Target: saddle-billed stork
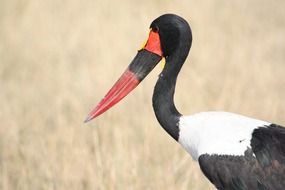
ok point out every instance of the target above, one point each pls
(234, 152)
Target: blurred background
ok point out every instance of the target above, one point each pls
(59, 58)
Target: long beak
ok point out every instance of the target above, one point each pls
(141, 66)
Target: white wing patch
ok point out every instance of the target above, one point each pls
(219, 133)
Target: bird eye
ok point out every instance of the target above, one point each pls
(155, 29)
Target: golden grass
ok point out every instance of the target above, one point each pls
(58, 58)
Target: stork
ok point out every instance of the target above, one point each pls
(234, 152)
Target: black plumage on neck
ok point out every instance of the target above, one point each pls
(176, 42)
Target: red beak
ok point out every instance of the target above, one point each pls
(121, 88)
(143, 63)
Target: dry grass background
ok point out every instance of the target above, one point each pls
(58, 58)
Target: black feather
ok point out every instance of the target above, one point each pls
(262, 167)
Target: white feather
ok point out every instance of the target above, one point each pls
(219, 133)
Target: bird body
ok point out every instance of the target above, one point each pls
(234, 152)
(220, 133)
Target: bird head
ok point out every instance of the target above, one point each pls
(167, 35)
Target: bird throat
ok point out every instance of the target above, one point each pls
(163, 103)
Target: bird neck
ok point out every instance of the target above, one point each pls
(162, 100)
(163, 104)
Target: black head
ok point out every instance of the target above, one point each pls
(174, 32)
(170, 37)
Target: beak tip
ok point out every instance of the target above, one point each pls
(95, 113)
(89, 118)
